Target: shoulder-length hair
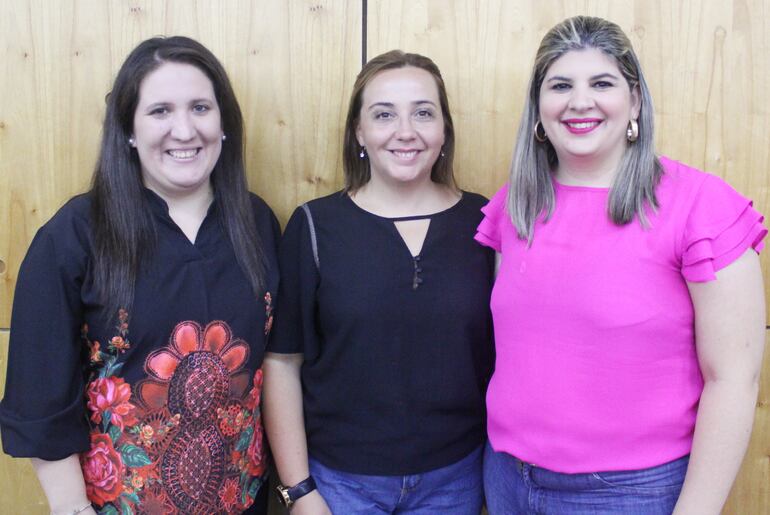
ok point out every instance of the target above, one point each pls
(531, 193)
(124, 231)
(357, 172)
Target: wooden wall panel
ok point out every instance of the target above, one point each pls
(292, 65)
(751, 492)
(21, 492)
(706, 64)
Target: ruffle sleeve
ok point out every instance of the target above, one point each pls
(488, 232)
(721, 226)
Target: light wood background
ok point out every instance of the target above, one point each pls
(293, 63)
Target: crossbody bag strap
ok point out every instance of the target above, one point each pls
(313, 240)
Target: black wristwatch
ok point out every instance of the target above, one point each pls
(288, 496)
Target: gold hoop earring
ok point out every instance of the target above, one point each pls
(538, 137)
(632, 133)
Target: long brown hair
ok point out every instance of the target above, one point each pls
(124, 232)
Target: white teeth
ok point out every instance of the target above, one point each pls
(405, 155)
(182, 154)
(583, 125)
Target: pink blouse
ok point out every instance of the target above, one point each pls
(596, 368)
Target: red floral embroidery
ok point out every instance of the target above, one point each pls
(102, 470)
(189, 439)
(111, 395)
(229, 493)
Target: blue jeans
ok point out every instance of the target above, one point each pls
(516, 488)
(456, 489)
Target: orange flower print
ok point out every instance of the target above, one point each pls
(111, 394)
(119, 344)
(95, 353)
(228, 494)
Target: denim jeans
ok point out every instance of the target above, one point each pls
(456, 489)
(516, 488)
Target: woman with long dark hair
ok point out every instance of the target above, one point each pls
(142, 307)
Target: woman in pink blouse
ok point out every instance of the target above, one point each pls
(628, 308)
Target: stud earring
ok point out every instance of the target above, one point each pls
(443, 154)
(362, 154)
(224, 137)
(632, 133)
(132, 141)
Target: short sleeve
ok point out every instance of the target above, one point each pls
(721, 226)
(495, 214)
(43, 413)
(294, 326)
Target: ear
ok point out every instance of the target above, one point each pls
(636, 103)
(359, 134)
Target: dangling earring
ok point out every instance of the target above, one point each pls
(224, 137)
(539, 129)
(132, 141)
(362, 154)
(632, 133)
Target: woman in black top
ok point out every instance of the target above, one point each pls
(375, 376)
(142, 307)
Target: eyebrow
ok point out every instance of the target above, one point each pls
(390, 105)
(595, 77)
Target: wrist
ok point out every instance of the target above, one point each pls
(288, 495)
(72, 509)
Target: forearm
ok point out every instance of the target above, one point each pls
(63, 484)
(283, 417)
(722, 432)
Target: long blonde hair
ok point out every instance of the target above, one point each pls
(531, 193)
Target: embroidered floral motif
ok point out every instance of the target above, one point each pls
(102, 470)
(189, 439)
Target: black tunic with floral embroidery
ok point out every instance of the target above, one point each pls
(162, 401)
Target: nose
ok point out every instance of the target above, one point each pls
(405, 129)
(183, 127)
(581, 99)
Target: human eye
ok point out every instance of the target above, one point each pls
(383, 115)
(424, 114)
(200, 108)
(603, 84)
(561, 86)
(159, 111)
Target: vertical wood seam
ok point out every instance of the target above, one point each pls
(364, 22)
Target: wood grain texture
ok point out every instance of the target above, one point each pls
(751, 492)
(705, 61)
(291, 64)
(706, 64)
(21, 492)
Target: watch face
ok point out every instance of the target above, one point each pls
(283, 496)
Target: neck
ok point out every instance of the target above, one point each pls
(189, 209)
(587, 171)
(396, 199)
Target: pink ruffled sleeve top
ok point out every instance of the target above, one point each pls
(596, 368)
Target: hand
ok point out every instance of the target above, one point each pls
(310, 504)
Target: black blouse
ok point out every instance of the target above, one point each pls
(397, 349)
(162, 399)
